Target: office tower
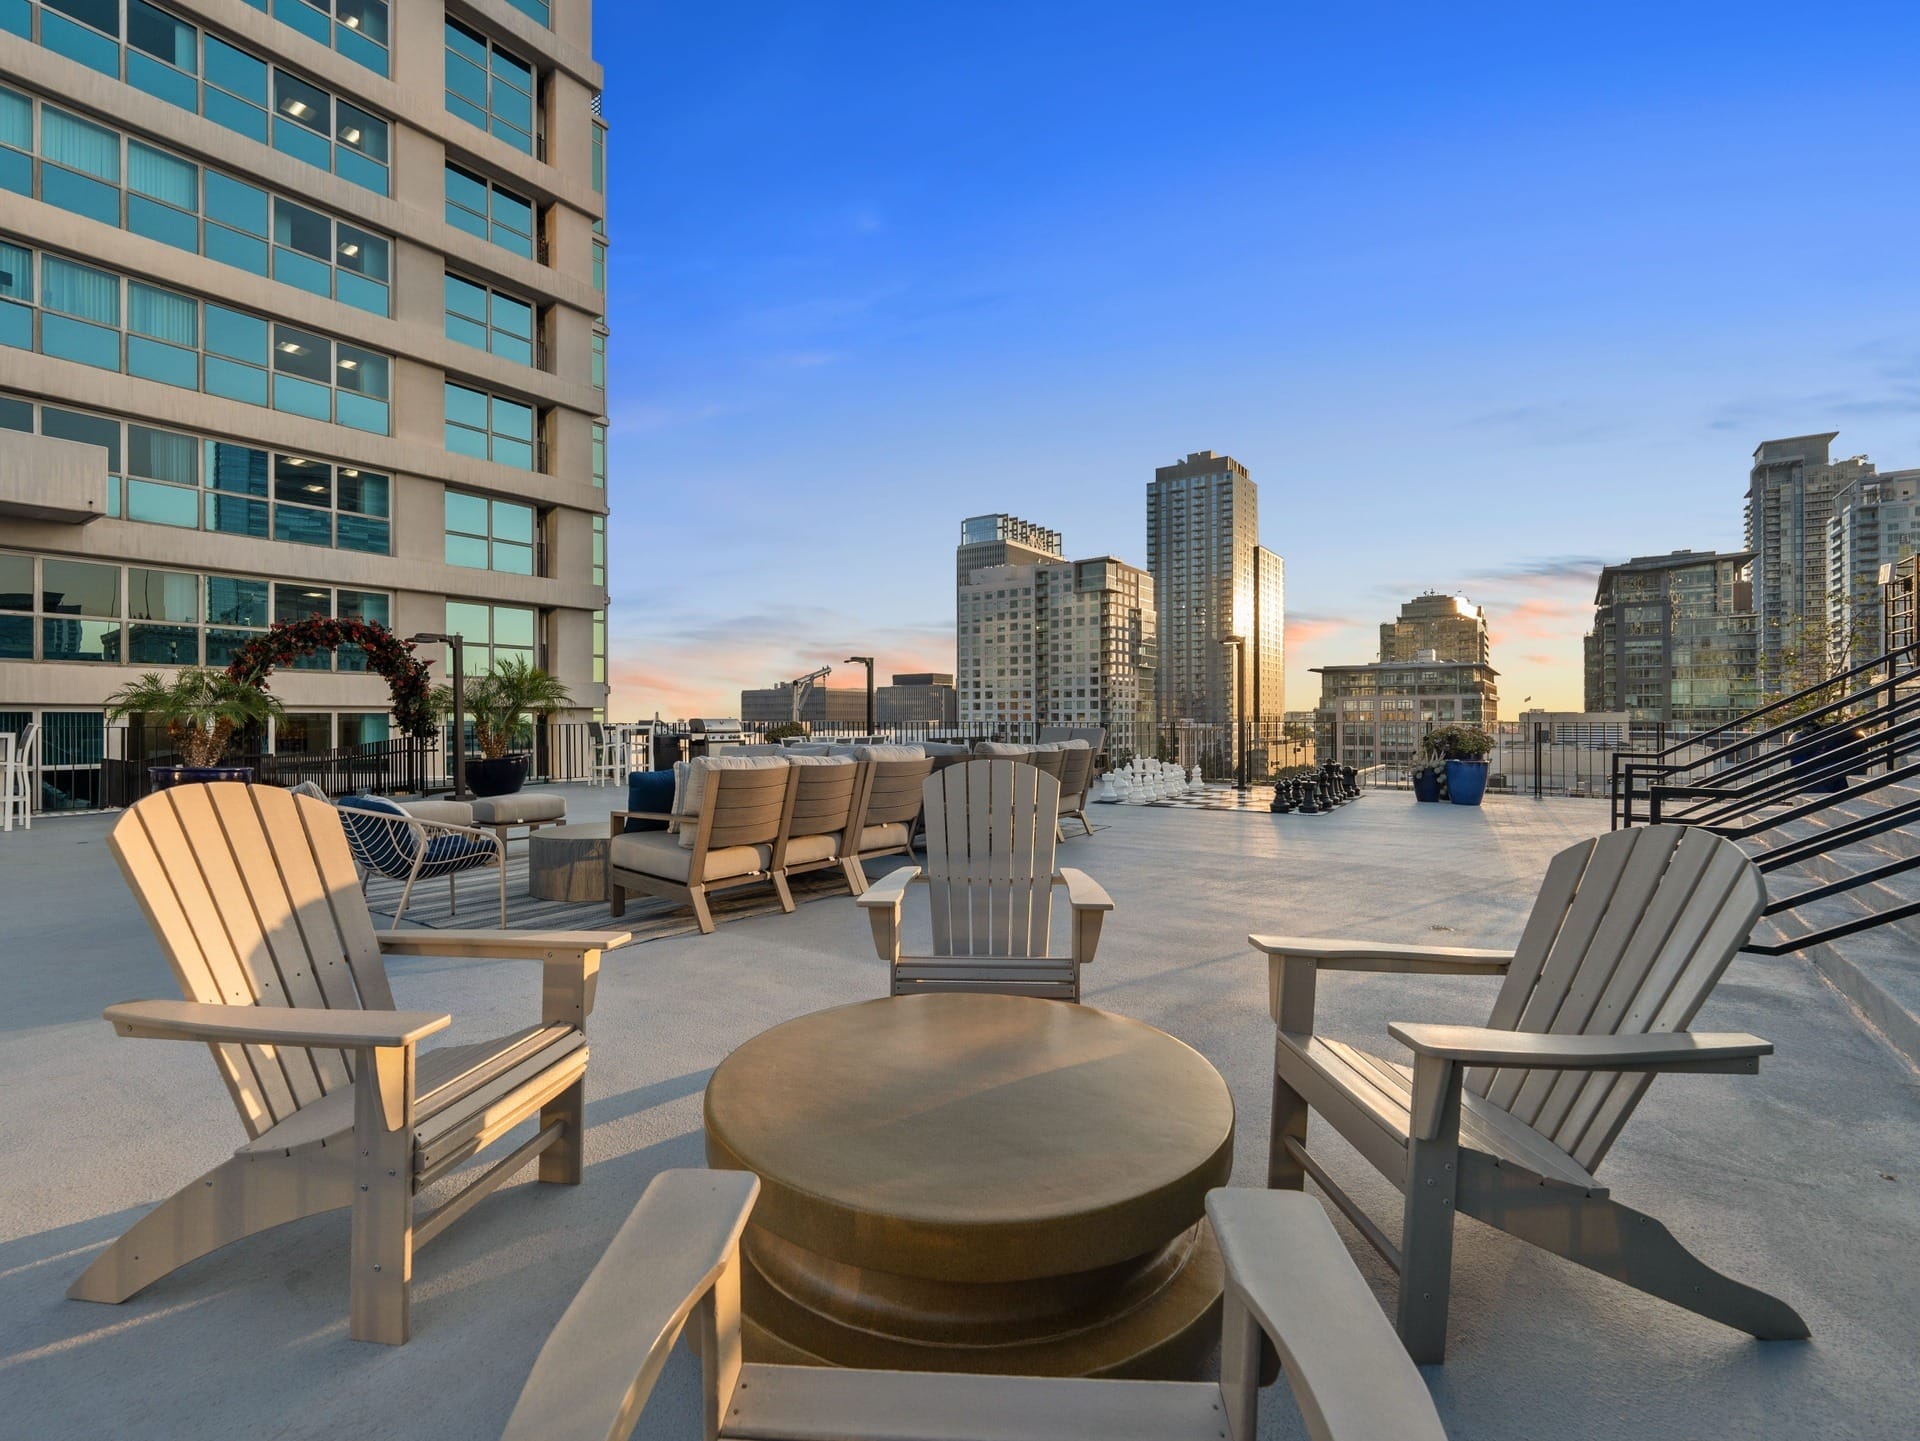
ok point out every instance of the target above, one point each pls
(303, 307)
(1875, 520)
(1056, 642)
(922, 698)
(1790, 498)
(820, 705)
(1675, 642)
(1214, 580)
(1451, 626)
(1375, 714)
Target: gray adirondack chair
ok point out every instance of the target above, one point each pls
(989, 875)
(676, 1263)
(1507, 1122)
(253, 896)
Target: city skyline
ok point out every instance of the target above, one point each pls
(1482, 338)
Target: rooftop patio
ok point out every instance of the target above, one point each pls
(252, 1340)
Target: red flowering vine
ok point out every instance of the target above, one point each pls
(387, 655)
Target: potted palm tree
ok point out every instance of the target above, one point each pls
(200, 708)
(1464, 750)
(500, 703)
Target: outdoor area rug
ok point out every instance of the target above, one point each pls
(650, 918)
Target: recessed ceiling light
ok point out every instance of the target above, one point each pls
(349, 250)
(295, 108)
(349, 365)
(352, 22)
(345, 472)
(291, 349)
(350, 135)
(296, 460)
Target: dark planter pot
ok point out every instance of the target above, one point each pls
(1426, 784)
(498, 778)
(1811, 748)
(1466, 782)
(165, 778)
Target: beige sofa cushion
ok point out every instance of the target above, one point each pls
(655, 853)
(887, 833)
(802, 849)
(518, 809)
(449, 813)
(889, 753)
(813, 760)
(1001, 748)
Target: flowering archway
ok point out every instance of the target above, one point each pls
(387, 655)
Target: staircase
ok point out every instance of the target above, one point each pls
(1833, 822)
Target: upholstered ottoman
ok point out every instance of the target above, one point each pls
(500, 814)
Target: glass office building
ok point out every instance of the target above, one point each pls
(301, 313)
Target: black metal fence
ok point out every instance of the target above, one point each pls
(401, 764)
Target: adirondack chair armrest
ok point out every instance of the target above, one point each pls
(1289, 1275)
(882, 901)
(1337, 955)
(673, 1261)
(1293, 962)
(570, 960)
(273, 1025)
(1084, 893)
(1732, 1052)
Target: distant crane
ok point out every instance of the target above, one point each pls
(802, 688)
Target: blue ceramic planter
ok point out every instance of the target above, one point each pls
(1426, 784)
(1466, 782)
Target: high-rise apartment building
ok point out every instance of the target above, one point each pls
(1675, 642)
(1790, 499)
(1875, 520)
(1057, 642)
(301, 313)
(1002, 540)
(1451, 626)
(1213, 580)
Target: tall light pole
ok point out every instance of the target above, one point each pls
(459, 704)
(867, 661)
(1239, 644)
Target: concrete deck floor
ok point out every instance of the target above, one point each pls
(1801, 1180)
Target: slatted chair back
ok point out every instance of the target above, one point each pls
(989, 868)
(1048, 762)
(1629, 934)
(1076, 769)
(892, 795)
(820, 800)
(252, 894)
(743, 808)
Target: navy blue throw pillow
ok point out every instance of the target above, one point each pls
(649, 791)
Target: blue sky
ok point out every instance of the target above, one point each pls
(1485, 296)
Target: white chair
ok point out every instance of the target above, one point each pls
(19, 759)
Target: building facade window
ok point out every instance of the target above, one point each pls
(56, 609)
(599, 571)
(161, 54)
(599, 359)
(598, 161)
(489, 427)
(600, 266)
(356, 28)
(490, 87)
(489, 320)
(167, 477)
(599, 456)
(151, 192)
(489, 211)
(534, 9)
(600, 647)
(491, 633)
(487, 534)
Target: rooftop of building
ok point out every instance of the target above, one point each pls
(1799, 1180)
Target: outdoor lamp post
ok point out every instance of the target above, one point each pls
(867, 661)
(459, 705)
(1239, 644)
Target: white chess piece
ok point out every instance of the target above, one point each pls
(1194, 782)
(1105, 792)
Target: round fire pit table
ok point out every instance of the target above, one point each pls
(568, 863)
(976, 1183)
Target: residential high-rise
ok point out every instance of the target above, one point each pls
(1057, 642)
(1675, 642)
(1214, 580)
(1876, 519)
(1790, 499)
(1451, 626)
(303, 308)
(1001, 540)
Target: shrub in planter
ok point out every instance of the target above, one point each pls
(500, 703)
(1464, 750)
(200, 708)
